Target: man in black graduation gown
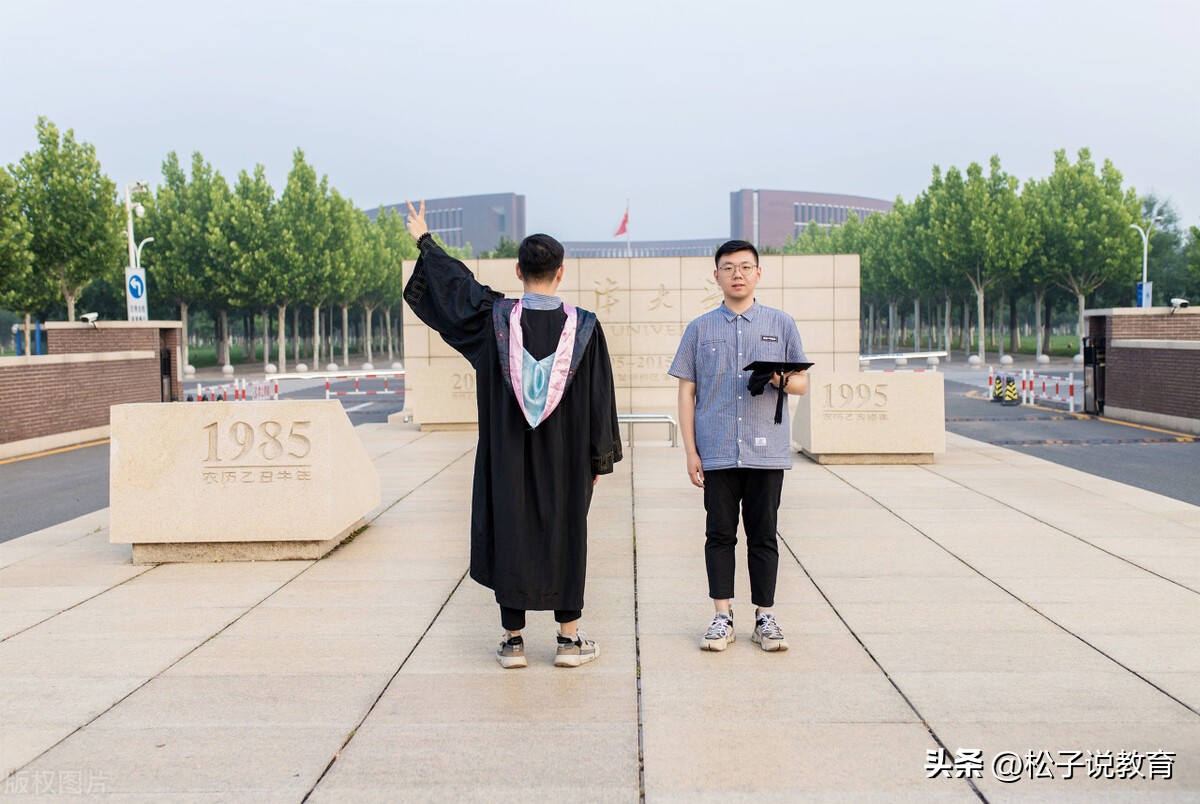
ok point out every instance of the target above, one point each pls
(547, 431)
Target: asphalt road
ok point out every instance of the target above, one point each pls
(1166, 463)
(43, 491)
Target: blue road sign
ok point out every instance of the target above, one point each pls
(137, 286)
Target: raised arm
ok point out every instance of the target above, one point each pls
(445, 294)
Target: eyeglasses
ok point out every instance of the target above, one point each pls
(729, 270)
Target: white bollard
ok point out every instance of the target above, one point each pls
(1006, 360)
(1043, 359)
(974, 361)
(227, 370)
(368, 367)
(272, 369)
(331, 367)
(302, 367)
(189, 370)
(397, 366)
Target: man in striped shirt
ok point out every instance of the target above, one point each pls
(735, 451)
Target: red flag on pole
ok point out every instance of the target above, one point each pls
(623, 228)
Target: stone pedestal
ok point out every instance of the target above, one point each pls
(244, 481)
(871, 417)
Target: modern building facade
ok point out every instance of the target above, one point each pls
(480, 220)
(703, 247)
(770, 217)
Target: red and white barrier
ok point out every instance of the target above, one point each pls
(1048, 388)
(243, 390)
(357, 376)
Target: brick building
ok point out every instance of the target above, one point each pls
(770, 217)
(1150, 365)
(480, 220)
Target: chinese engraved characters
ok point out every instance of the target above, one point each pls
(234, 456)
(862, 402)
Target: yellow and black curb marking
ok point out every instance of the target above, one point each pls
(71, 448)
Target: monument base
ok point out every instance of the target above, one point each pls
(449, 427)
(209, 552)
(865, 458)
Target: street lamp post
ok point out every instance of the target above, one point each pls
(135, 281)
(1144, 296)
(132, 209)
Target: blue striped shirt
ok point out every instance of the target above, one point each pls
(734, 429)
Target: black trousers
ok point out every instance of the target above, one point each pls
(757, 492)
(514, 619)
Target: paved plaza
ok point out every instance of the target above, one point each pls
(990, 615)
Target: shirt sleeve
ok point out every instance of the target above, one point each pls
(445, 295)
(684, 364)
(795, 347)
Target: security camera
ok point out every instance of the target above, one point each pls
(90, 318)
(1180, 304)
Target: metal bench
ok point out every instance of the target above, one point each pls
(650, 418)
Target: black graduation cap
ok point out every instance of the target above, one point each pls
(763, 371)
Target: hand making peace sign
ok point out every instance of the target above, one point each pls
(416, 220)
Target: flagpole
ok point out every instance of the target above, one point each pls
(628, 245)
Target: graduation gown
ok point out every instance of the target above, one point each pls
(533, 486)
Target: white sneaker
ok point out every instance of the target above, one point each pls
(767, 633)
(720, 632)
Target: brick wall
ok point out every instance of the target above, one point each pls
(1163, 381)
(41, 396)
(42, 400)
(86, 339)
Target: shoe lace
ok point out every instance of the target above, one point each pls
(719, 628)
(769, 628)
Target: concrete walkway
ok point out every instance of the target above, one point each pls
(990, 602)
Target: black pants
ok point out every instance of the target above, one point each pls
(757, 491)
(514, 619)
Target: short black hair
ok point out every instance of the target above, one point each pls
(734, 246)
(539, 256)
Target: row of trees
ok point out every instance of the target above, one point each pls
(975, 235)
(969, 237)
(230, 249)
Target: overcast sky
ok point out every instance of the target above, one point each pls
(580, 105)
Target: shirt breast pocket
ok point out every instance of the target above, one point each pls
(768, 350)
(714, 355)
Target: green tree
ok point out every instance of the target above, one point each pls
(345, 240)
(303, 265)
(1037, 272)
(882, 262)
(179, 220)
(373, 273)
(218, 277)
(71, 207)
(18, 291)
(506, 249)
(399, 246)
(1191, 254)
(248, 231)
(1087, 241)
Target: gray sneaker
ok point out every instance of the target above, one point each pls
(767, 633)
(720, 632)
(511, 653)
(577, 651)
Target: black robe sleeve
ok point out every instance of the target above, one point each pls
(446, 296)
(605, 435)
